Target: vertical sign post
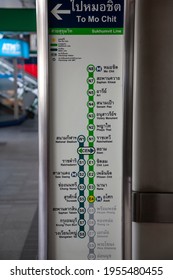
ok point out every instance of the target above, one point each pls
(85, 131)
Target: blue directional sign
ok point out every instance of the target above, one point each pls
(81, 14)
(14, 48)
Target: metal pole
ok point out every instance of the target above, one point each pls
(42, 35)
(127, 134)
(16, 107)
(23, 80)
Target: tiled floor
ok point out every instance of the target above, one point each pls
(18, 190)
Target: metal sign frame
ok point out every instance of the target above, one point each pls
(43, 84)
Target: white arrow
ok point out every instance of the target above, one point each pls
(56, 11)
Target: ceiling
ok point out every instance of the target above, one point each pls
(17, 3)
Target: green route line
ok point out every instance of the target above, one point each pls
(86, 31)
(91, 161)
(91, 128)
(87, 151)
(81, 187)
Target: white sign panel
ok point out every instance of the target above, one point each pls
(86, 130)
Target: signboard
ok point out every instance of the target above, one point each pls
(86, 129)
(14, 48)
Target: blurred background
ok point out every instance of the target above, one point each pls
(18, 130)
